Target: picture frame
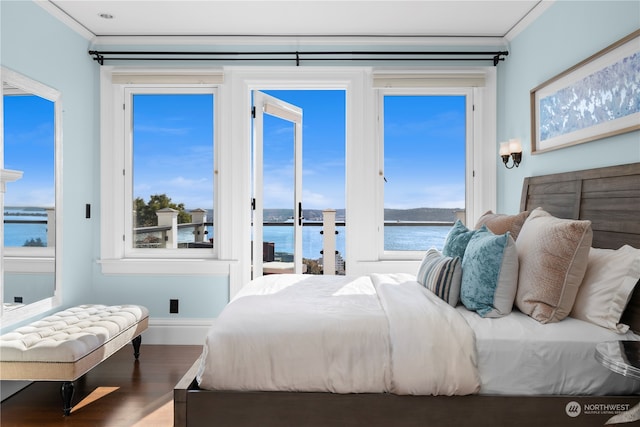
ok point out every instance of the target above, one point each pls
(594, 99)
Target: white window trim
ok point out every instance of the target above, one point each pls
(369, 256)
(242, 81)
(115, 258)
(129, 250)
(233, 161)
(468, 93)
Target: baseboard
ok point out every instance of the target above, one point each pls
(176, 331)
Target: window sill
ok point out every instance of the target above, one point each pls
(185, 267)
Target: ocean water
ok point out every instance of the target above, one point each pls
(17, 234)
(396, 238)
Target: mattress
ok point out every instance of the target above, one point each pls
(382, 333)
(386, 333)
(517, 355)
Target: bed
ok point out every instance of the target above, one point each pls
(608, 197)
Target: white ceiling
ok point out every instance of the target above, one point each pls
(350, 18)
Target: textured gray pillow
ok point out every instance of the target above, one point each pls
(553, 255)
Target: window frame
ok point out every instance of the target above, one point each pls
(129, 250)
(470, 144)
(116, 254)
(363, 203)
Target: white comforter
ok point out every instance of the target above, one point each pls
(378, 333)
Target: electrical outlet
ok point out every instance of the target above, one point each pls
(17, 299)
(173, 306)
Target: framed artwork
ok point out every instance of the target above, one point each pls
(597, 98)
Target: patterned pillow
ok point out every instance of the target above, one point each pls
(501, 223)
(442, 275)
(457, 240)
(490, 274)
(553, 255)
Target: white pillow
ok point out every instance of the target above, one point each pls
(607, 286)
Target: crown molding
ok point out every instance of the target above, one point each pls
(65, 19)
(318, 40)
(541, 7)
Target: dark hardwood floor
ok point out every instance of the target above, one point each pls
(117, 393)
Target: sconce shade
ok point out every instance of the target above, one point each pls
(511, 149)
(515, 146)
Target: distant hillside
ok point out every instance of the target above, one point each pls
(416, 214)
(421, 214)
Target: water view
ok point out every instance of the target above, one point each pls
(25, 227)
(20, 229)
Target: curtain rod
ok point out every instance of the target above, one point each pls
(297, 56)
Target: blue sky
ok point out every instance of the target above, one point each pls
(424, 150)
(172, 148)
(29, 136)
(424, 139)
(323, 150)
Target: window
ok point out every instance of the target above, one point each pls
(425, 139)
(158, 172)
(171, 177)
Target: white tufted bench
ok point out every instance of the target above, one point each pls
(66, 345)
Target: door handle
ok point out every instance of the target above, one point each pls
(300, 217)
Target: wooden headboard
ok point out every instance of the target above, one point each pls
(609, 197)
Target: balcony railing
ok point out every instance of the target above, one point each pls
(50, 224)
(167, 231)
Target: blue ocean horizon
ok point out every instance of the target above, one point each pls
(397, 237)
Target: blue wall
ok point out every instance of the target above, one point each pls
(566, 34)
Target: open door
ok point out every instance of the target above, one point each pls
(277, 186)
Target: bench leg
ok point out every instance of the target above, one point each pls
(136, 346)
(66, 391)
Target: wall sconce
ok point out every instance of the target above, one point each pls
(512, 149)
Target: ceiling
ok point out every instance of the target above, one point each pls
(348, 18)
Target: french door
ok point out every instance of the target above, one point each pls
(277, 186)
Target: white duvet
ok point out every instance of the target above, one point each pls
(341, 334)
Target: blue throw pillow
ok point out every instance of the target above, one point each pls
(489, 274)
(457, 240)
(441, 275)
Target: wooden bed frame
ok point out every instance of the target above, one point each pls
(609, 197)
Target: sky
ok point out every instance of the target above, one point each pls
(323, 151)
(29, 146)
(424, 150)
(173, 149)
